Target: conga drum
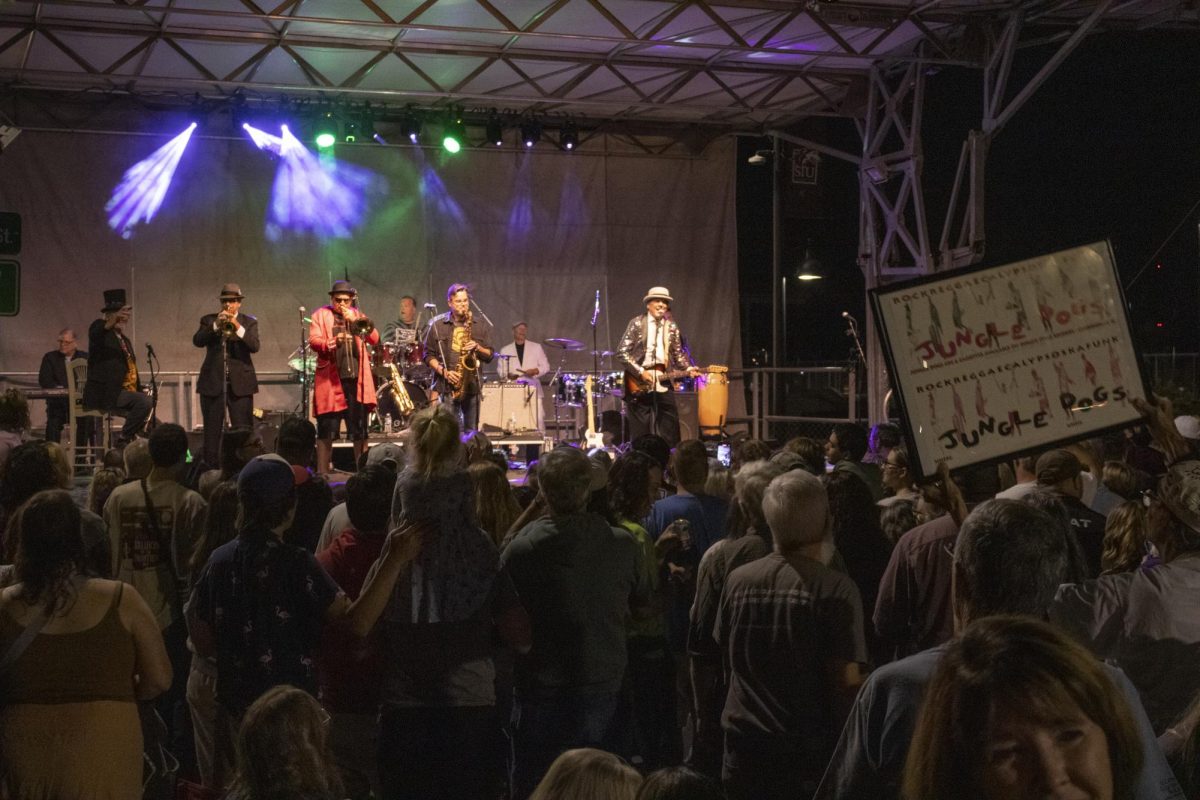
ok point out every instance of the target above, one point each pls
(712, 400)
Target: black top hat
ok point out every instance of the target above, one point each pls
(114, 300)
(231, 291)
(342, 287)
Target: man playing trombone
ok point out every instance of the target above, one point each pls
(343, 387)
(227, 378)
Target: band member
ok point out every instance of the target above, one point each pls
(53, 375)
(453, 336)
(526, 363)
(652, 346)
(229, 380)
(343, 387)
(112, 382)
(403, 331)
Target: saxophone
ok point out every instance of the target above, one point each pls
(467, 362)
(404, 403)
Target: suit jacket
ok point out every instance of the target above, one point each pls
(632, 349)
(106, 366)
(243, 381)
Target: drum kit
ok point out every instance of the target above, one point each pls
(411, 376)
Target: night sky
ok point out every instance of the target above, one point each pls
(1109, 147)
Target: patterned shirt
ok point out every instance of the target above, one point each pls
(265, 602)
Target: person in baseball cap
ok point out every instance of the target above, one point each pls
(1059, 472)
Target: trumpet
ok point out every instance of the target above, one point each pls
(361, 326)
(227, 324)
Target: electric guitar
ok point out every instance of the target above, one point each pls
(636, 387)
(591, 438)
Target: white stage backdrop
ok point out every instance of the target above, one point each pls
(534, 233)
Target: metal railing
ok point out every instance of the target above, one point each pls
(177, 398)
(780, 402)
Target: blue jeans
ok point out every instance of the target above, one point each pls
(546, 728)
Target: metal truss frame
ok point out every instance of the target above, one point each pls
(894, 241)
(748, 73)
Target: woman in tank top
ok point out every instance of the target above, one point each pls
(76, 653)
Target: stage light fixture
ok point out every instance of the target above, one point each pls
(568, 137)
(495, 130)
(531, 132)
(326, 135)
(410, 125)
(350, 131)
(454, 135)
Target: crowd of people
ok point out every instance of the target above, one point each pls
(813, 620)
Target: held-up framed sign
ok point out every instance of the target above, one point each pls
(988, 363)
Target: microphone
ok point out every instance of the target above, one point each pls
(303, 309)
(845, 315)
(150, 350)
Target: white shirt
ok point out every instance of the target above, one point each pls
(656, 341)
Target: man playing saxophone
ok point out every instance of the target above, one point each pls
(456, 346)
(227, 378)
(343, 386)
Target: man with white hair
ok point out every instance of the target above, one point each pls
(791, 634)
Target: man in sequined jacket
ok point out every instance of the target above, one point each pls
(652, 340)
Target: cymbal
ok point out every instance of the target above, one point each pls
(565, 344)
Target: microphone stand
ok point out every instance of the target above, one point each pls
(303, 366)
(152, 422)
(852, 331)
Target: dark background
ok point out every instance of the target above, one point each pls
(1108, 147)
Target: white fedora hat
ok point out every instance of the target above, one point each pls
(658, 293)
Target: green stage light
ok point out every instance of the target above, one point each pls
(325, 140)
(454, 135)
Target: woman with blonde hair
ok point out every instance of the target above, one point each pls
(283, 750)
(1017, 709)
(1124, 544)
(494, 500)
(104, 480)
(438, 723)
(588, 774)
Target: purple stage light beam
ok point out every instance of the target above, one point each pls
(263, 140)
(315, 195)
(140, 193)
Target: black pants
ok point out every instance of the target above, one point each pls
(653, 412)
(436, 753)
(135, 408)
(241, 410)
(466, 408)
(329, 424)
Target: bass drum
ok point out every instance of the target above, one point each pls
(387, 405)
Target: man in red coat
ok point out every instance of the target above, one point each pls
(343, 387)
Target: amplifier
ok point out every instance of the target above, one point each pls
(509, 407)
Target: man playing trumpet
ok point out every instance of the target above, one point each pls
(227, 378)
(343, 387)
